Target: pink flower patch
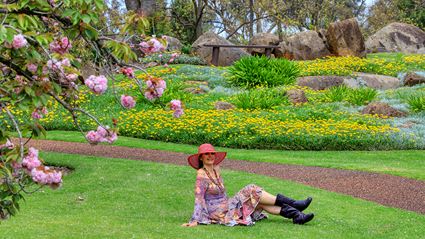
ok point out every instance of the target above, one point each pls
(127, 101)
(19, 41)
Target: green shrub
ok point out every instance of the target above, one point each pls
(361, 96)
(336, 94)
(252, 72)
(260, 99)
(417, 103)
(186, 49)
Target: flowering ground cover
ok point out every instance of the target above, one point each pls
(264, 119)
(148, 200)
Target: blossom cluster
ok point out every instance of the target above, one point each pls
(19, 41)
(151, 46)
(46, 176)
(101, 135)
(98, 84)
(39, 112)
(128, 71)
(39, 173)
(176, 106)
(60, 46)
(127, 101)
(155, 88)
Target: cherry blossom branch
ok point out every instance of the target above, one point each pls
(15, 124)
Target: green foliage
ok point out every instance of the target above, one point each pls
(336, 94)
(186, 49)
(260, 99)
(361, 96)
(417, 102)
(261, 71)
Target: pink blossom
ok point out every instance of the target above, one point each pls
(19, 41)
(127, 101)
(98, 84)
(178, 113)
(159, 92)
(66, 62)
(128, 72)
(175, 104)
(71, 77)
(93, 137)
(101, 131)
(165, 65)
(101, 135)
(8, 145)
(44, 110)
(36, 115)
(32, 67)
(151, 46)
(60, 46)
(31, 160)
(149, 95)
(149, 83)
(46, 176)
(161, 84)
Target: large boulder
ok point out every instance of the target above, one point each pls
(173, 44)
(345, 38)
(221, 105)
(379, 82)
(414, 78)
(382, 109)
(262, 39)
(397, 37)
(320, 82)
(296, 96)
(306, 45)
(227, 55)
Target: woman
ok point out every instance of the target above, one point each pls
(213, 207)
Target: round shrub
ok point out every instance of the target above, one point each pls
(250, 72)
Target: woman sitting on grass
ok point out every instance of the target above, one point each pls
(212, 206)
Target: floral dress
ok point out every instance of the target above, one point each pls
(212, 206)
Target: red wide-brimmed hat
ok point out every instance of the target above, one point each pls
(205, 148)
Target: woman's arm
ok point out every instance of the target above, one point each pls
(200, 212)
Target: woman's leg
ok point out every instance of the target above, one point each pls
(267, 198)
(275, 210)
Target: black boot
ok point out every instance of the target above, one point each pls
(296, 216)
(298, 204)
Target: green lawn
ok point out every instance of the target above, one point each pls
(409, 163)
(114, 198)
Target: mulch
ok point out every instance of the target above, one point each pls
(388, 190)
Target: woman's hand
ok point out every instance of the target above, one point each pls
(191, 224)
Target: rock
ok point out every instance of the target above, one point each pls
(346, 39)
(194, 90)
(307, 45)
(320, 82)
(414, 78)
(296, 96)
(220, 105)
(379, 82)
(382, 109)
(354, 83)
(262, 39)
(173, 44)
(409, 124)
(151, 64)
(397, 37)
(227, 55)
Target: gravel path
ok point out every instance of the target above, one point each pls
(388, 190)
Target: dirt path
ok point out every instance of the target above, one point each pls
(393, 191)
